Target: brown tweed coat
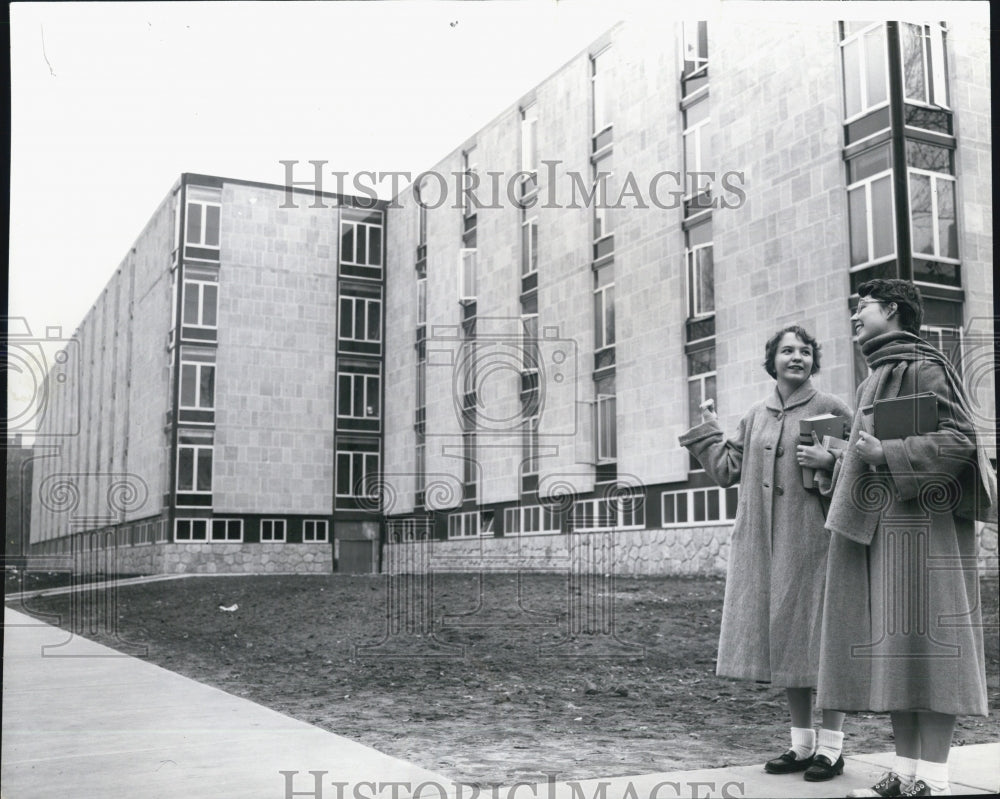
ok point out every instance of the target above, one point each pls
(777, 558)
(902, 625)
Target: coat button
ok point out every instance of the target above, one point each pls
(767, 485)
(779, 490)
(780, 452)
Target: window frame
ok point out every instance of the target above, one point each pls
(606, 428)
(275, 525)
(201, 286)
(468, 274)
(355, 224)
(694, 264)
(198, 387)
(354, 301)
(314, 538)
(689, 493)
(203, 223)
(351, 455)
(367, 389)
(867, 184)
(866, 107)
(935, 220)
(198, 450)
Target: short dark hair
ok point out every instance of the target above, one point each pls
(909, 303)
(771, 348)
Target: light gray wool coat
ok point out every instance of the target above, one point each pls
(777, 559)
(902, 628)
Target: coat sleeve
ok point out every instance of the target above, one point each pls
(722, 458)
(914, 460)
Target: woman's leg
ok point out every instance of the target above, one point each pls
(800, 706)
(906, 733)
(935, 731)
(830, 741)
(803, 734)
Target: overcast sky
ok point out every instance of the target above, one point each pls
(112, 101)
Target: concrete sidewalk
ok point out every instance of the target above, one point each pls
(85, 721)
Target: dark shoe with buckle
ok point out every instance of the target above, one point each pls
(822, 769)
(787, 763)
(919, 788)
(891, 784)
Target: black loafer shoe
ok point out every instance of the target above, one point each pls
(822, 769)
(787, 763)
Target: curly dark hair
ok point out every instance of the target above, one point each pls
(771, 348)
(909, 303)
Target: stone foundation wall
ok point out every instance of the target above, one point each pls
(688, 551)
(216, 558)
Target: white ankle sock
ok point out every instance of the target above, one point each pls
(935, 775)
(831, 744)
(803, 741)
(905, 767)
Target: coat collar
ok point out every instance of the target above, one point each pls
(800, 396)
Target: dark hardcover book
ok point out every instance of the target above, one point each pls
(901, 417)
(813, 430)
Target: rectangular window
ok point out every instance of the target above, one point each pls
(698, 506)
(701, 281)
(358, 396)
(201, 303)
(202, 229)
(694, 47)
(468, 199)
(601, 188)
(360, 243)
(865, 63)
(701, 381)
(872, 220)
(609, 514)
(606, 428)
(604, 316)
(529, 441)
(194, 469)
(697, 148)
(197, 385)
(421, 213)
(528, 519)
(529, 140)
(191, 530)
(315, 531)
(529, 246)
(924, 70)
(227, 529)
(422, 301)
(933, 227)
(357, 473)
(272, 530)
(601, 90)
(360, 319)
(464, 525)
(466, 274)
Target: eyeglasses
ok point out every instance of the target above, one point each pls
(866, 302)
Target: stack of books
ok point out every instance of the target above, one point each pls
(828, 430)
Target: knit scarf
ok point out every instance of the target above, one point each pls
(855, 508)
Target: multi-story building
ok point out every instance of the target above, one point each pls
(665, 204)
(560, 294)
(220, 406)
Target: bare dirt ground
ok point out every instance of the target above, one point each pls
(491, 679)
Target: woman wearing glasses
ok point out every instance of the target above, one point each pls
(901, 620)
